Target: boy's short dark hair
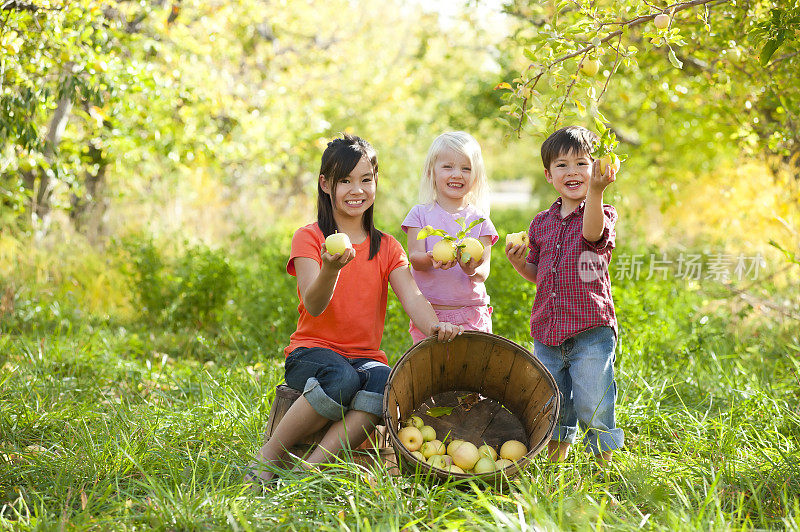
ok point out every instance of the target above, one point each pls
(567, 140)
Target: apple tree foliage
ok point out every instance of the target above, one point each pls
(227, 101)
(718, 82)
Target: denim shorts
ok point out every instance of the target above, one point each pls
(334, 384)
(583, 367)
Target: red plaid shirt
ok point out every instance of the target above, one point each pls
(573, 287)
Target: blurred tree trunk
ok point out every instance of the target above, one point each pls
(89, 209)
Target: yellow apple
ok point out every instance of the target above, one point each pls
(590, 66)
(428, 432)
(517, 239)
(414, 421)
(513, 450)
(661, 21)
(465, 455)
(418, 455)
(488, 450)
(484, 465)
(455, 469)
(453, 445)
(337, 243)
(411, 438)
(503, 463)
(430, 448)
(609, 159)
(473, 249)
(444, 251)
(438, 461)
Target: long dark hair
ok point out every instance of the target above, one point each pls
(338, 160)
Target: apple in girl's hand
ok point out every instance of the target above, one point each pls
(609, 159)
(428, 433)
(444, 251)
(414, 421)
(513, 450)
(517, 239)
(411, 438)
(473, 249)
(337, 243)
(488, 450)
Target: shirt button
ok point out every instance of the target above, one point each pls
(563, 223)
(553, 294)
(553, 270)
(558, 246)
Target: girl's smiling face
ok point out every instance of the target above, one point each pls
(569, 173)
(452, 174)
(355, 193)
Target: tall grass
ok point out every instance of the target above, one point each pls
(108, 422)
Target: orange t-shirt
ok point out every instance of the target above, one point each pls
(352, 323)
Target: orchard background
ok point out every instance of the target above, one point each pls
(157, 155)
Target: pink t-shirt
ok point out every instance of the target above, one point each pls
(453, 286)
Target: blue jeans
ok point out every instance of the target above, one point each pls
(334, 384)
(583, 367)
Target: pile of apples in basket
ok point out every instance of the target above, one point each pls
(457, 456)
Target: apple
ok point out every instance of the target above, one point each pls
(484, 465)
(609, 159)
(661, 21)
(517, 239)
(513, 450)
(466, 455)
(444, 251)
(455, 469)
(430, 448)
(337, 243)
(411, 438)
(453, 445)
(447, 459)
(438, 461)
(473, 249)
(503, 463)
(590, 66)
(428, 432)
(418, 455)
(488, 450)
(414, 421)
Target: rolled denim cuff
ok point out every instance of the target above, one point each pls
(598, 441)
(370, 402)
(565, 434)
(324, 405)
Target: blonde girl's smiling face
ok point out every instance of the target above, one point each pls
(452, 176)
(355, 193)
(569, 173)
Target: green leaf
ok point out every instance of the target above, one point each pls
(440, 411)
(769, 49)
(474, 223)
(677, 63)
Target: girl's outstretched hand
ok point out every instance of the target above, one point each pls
(446, 331)
(471, 265)
(441, 265)
(339, 260)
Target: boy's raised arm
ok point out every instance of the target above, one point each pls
(593, 220)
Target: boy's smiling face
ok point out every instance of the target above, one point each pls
(569, 173)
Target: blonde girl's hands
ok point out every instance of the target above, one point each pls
(441, 265)
(446, 331)
(339, 260)
(471, 265)
(599, 181)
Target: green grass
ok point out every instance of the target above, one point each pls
(128, 424)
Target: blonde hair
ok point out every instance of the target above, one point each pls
(465, 144)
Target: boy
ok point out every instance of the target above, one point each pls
(573, 323)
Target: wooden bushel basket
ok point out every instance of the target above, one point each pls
(497, 389)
